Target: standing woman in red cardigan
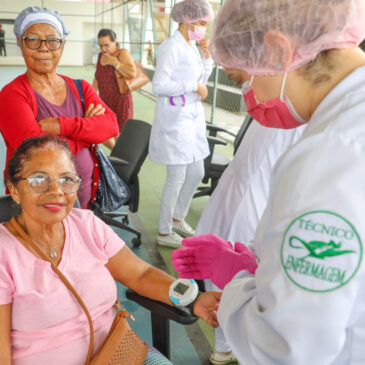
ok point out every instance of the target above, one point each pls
(44, 102)
(113, 64)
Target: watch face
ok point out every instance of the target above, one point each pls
(181, 288)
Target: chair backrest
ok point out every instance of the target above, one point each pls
(8, 208)
(241, 132)
(132, 146)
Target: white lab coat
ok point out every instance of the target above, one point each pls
(178, 132)
(236, 206)
(283, 314)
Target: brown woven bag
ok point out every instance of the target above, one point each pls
(122, 345)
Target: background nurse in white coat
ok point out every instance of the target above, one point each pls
(305, 302)
(178, 137)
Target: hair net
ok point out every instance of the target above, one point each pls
(190, 11)
(311, 26)
(36, 15)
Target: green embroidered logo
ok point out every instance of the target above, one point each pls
(321, 251)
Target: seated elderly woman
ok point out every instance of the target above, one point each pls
(44, 102)
(40, 321)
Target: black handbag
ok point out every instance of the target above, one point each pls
(112, 192)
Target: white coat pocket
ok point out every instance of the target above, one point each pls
(173, 118)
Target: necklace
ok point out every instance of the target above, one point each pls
(52, 252)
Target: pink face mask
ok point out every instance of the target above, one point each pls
(275, 113)
(198, 34)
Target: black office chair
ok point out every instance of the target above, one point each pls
(216, 162)
(8, 208)
(161, 313)
(127, 157)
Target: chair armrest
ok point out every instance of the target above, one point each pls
(215, 140)
(214, 129)
(163, 309)
(116, 161)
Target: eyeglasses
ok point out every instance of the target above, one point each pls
(53, 44)
(41, 183)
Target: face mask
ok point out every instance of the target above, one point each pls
(198, 34)
(275, 113)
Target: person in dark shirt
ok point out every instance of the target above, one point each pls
(2, 41)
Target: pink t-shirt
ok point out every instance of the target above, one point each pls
(48, 324)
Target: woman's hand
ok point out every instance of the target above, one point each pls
(206, 307)
(106, 59)
(51, 126)
(202, 91)
(92, 110)
(204, 46)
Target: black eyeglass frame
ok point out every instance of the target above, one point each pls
(50, 181)
(60, 41)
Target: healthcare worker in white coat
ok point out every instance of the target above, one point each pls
(238, 202)
(178, 137)
(303, 301)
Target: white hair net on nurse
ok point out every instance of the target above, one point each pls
(310, 26)
(190, 11)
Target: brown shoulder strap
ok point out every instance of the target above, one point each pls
(26, 238)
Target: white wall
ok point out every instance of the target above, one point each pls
(79, 18)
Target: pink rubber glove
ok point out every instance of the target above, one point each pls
(211, 257)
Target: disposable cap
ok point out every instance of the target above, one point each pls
(190, 11)
(244, 32)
